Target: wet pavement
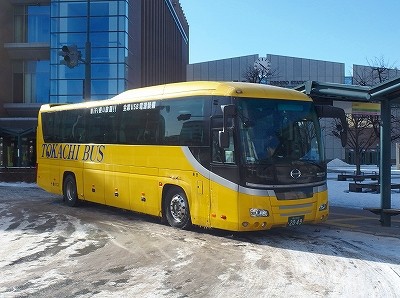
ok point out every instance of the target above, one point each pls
(364, 221)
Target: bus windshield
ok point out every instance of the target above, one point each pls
(277, 131)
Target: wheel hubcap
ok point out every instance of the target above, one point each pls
(178, 208)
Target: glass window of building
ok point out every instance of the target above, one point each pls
(31, 81)
(108, 36)
(32, 23)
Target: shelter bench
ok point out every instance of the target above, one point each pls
(362, 177)
(358, 187)
(379, 211)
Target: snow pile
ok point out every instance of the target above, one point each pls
(337, 163)
(18, 184)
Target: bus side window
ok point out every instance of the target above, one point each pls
(71, 125)
(78, 132)
(186, 123)
(122, 134)
(48, 126)
(192, 133)
(110, 128)
(148, 130)
(141, 127)
(230, 151)
(126, 128)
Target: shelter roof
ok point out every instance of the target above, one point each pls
(325, 92)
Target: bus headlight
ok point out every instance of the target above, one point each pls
(255, 212)
(323, 207)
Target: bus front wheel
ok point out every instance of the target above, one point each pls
(69, 191)
(176, 209)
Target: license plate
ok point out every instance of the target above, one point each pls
(295, 220)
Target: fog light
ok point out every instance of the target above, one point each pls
(264, 224)
(323, 207)
(245, 224)
(255, 212)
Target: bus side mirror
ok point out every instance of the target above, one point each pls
(334, 112)
(228, 111)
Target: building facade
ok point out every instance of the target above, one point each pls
(132, 43)
(281, 71)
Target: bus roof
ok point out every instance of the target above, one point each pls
(193, 88)
(237, 89)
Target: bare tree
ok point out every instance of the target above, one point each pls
(361, 135)
(259, 75)
(364, 129)
(377, 71)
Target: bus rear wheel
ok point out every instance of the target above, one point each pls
(176, 209)
(69, 191)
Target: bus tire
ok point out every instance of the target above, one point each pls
(176, 209)
(69, 191)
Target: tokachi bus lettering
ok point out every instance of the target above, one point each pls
(93, 153)
(70, 152)
(49, 150)
(59, 151)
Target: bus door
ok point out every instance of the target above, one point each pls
(224, 178)
(203, 199)
(200, 189)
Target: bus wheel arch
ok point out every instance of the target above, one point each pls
(70, 193)
(175, 207)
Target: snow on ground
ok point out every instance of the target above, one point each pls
(46, 252)
(18, 184)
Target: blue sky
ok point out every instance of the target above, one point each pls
(350, 31)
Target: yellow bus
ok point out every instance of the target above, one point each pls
(225, 155)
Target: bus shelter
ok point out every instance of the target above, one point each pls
(386, 94)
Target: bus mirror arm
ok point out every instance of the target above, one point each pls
(223, 139)
(338, 113)
(228, 111)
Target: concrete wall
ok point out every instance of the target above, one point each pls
(230, 69)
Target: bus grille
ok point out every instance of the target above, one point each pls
(297, 194)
